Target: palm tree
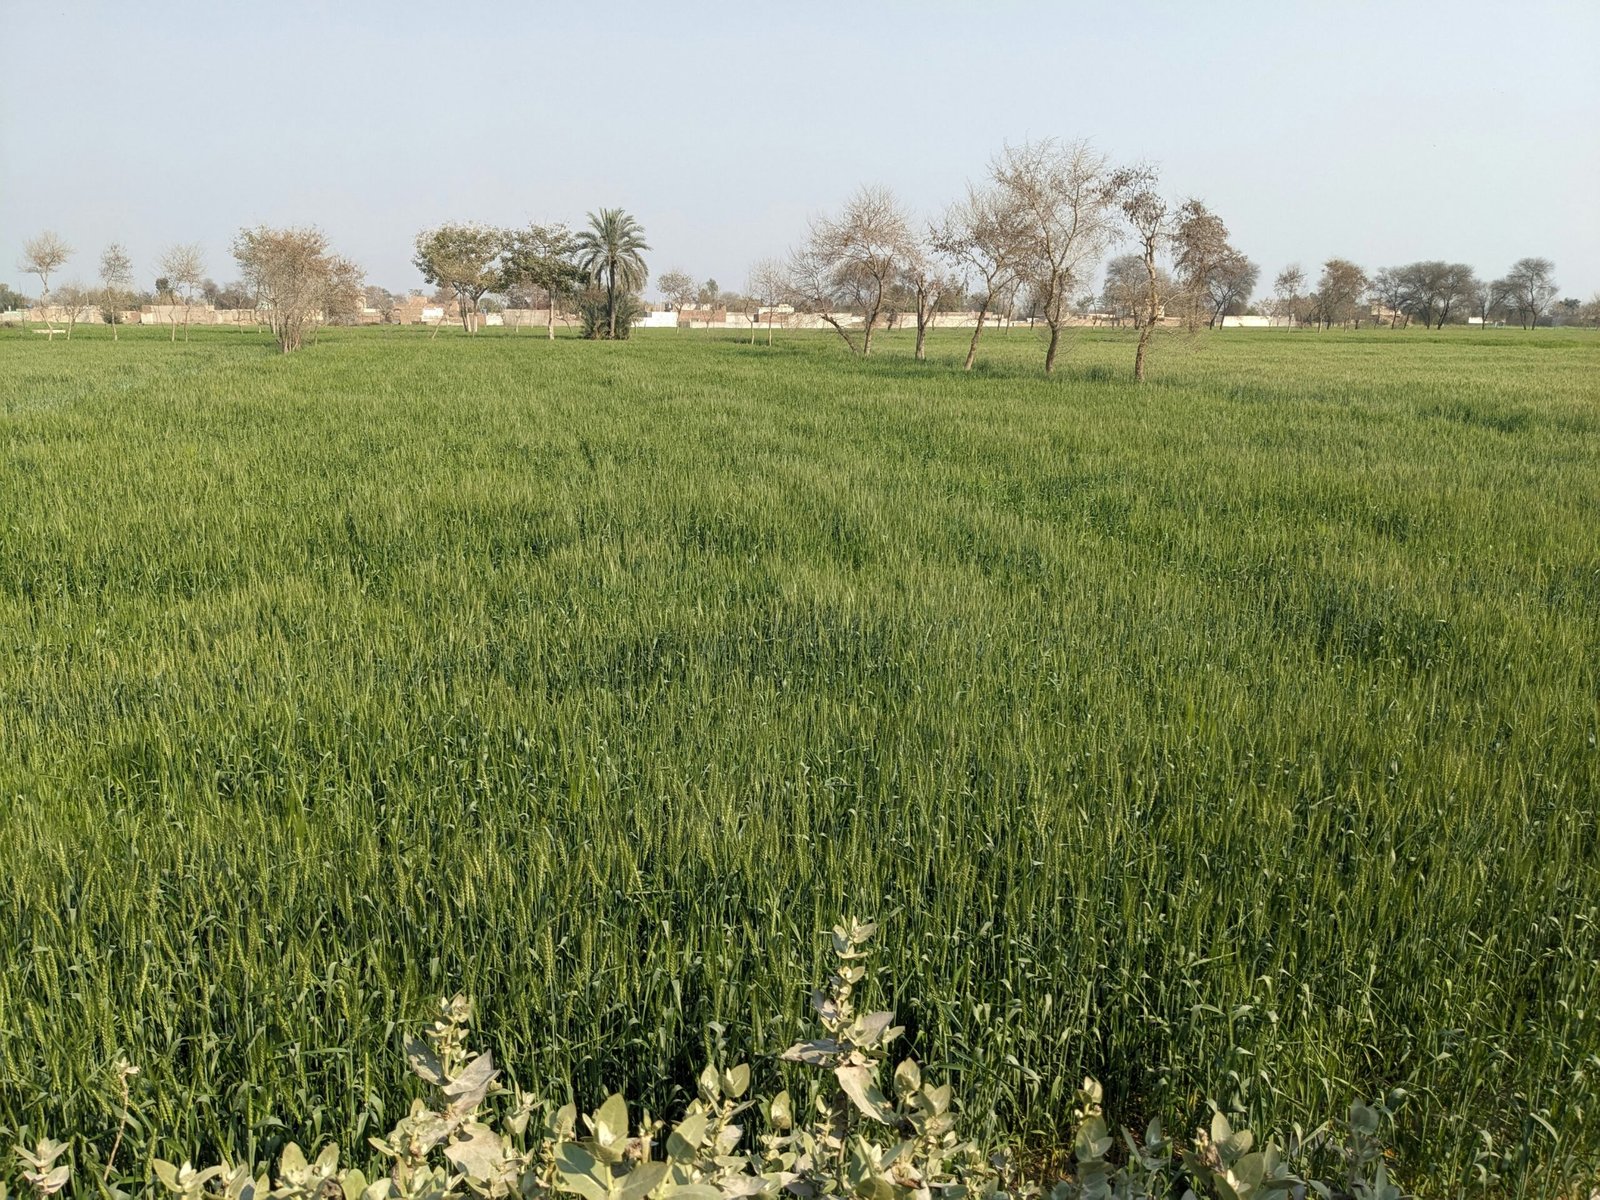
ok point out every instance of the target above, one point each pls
(610, 253)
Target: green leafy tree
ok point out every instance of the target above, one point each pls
(677, 289)
(465, 259)
(611, 256)
(539, 263)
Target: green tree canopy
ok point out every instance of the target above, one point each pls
(611, 256)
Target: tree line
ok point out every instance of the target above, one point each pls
(1027, 238)
(293, 280)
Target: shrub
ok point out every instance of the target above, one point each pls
(851, 1137)
(594, 313)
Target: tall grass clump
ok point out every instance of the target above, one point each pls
(1229, 739)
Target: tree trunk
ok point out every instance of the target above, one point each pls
(977, 332)
(922, 337)
(1055, 339)
(550, 318)
(842, 332)
(1138, 355)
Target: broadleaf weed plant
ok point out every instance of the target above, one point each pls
(869, 1132)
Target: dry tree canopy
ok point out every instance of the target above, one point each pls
(851, 261)
(297, 280)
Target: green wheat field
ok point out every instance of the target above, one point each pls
(1232, 737)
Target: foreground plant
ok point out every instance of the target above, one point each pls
(472, 1136)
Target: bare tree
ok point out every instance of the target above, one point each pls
(381, 299)
(1427, 291)
(768, 282)
(342, 288)
(1200, 243)
(1063, 193)
(1153, 227)
(1125, 292)
(44, 256)
(184, 267)
(1230, 284)
(924, 278)
(676, 288)
(72, 299)
(1390, 289)
(986, 235)
(300, 282)
(851, 261)
(465, 259)
(1338, 293)
(1455, 284)
(1215, 275)
(1289, 287)
(116, 277)
(746, 305)
(1530, 286)
(1489, 300)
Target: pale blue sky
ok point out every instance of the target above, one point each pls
(1383, 132)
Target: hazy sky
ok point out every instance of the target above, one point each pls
(1384, 132)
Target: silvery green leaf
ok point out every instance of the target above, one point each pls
(641, 1181)
(468, 1089)
(736, 1081)
(683, 1143)
(1249, 1171)
(710, 1088)
(580, 1172)
(907, 1077)
(477, 1153)
(581, 1185)
(424, 1061)
(875, 1027)
(781, 1112)
(858, 1084)
(816, 1053)
(610, 1121)
(748, 1185)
